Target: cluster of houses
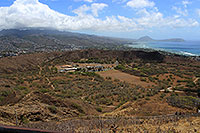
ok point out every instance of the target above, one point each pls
(11, 53)
(88, 68)
(92, 67)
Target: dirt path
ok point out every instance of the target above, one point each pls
(49, 83)
(195, 81)
(40, 72)
(115, 74)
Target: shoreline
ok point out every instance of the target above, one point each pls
(141, 46)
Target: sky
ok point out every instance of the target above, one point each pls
(118, 18)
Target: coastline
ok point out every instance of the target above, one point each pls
(169, 50)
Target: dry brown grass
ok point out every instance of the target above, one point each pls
(124, 77)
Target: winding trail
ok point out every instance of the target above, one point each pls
(170, 89)
(40, 72)
(195, 81)
(50, 83)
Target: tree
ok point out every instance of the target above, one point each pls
(198, 92)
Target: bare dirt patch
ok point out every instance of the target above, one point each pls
(115, 74)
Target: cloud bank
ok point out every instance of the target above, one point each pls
(33, 14)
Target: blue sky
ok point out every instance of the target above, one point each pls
(121, 18)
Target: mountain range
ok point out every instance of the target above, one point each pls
(50, 40)
(33, 40)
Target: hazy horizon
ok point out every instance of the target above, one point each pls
(115, 18)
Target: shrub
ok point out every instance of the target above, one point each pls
(7, 86)
(120, 104)
(151, 79)
(24, 120)
(143, 79)
(188, 102)
(92, 74)
(116, 80)
(108, 78)
(20, 81)
(162, 95)
(59, 81)
(20, 88)
(147, 98)
(135, 98)
(78, 107)
(191, 84)
(99, 109)
(120, 67)
(52, 109)
(4, 94)
(44, 90)
(198, 92)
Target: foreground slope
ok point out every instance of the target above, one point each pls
(33, 90)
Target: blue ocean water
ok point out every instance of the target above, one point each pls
(191, 48)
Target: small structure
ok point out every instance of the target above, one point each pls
(116, 63)
(67, 68)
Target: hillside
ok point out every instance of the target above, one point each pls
(33, 87)
(32, 40)
(149, 39)
(145, 39)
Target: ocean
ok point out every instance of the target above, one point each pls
(190, 48)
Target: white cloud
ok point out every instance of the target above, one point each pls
(182, 8)
(185, 3)
(88, 0)
(26, 13)
(94, 9)
(81, 11)
(180, 22)
(154, 18)
(140, 3)
(180, 11)
(150, 19)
